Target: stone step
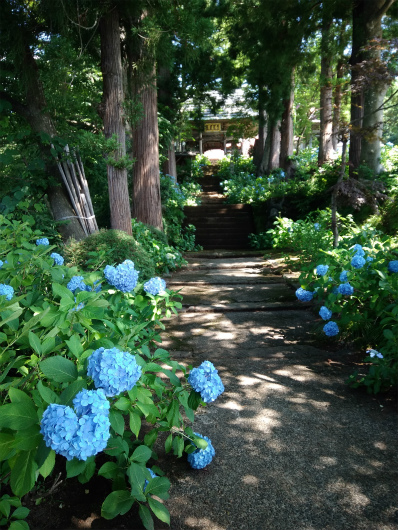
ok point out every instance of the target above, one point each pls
(220, 209)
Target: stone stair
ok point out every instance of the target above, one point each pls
(219, 225)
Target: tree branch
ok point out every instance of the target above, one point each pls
(384, 8)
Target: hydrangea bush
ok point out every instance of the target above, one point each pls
(80, 375)
(356, 286)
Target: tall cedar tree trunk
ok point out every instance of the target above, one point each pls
(112, 105)
(286, 149)
(372, 123)
(258, 151)
(337, 97)
(326, 113)
(41, 122)
(274, 133)
(147, 205)
(366, 21)
(166, 99)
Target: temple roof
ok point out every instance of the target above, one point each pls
(233, 106)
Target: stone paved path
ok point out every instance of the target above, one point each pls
(296, 449)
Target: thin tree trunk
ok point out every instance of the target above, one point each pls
(113, 99)
(170, 165)
(259, 145)
(286, 149)
(147, 206)
(166, 103)
(335, 191)
(326, 121)
(337, 96)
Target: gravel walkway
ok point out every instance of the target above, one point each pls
(296, 449)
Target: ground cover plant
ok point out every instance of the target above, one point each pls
(81, 374)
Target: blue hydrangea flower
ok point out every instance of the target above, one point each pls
(393, 266)
(343, 276)
(317, 226)
(374, 353)
(42, 241)
(155, 286)
(78, 307)
(358, 261)
(331, 329)
(153, 475)
(206, 381)
(325, 313)
(303, 295)
(124, 277)
(91, 402)
(346, 289)
(1, 263)
(113, 370)
(358, 250)
(76, 282)
(201, 457)
(369, 258)
(74, 435)
(58, 259)
(7, 291)
(321, 270)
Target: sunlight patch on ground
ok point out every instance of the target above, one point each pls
(380, 445)
(203, 523)
(231, 405)
(250, 480)
(265, 377)
(350, 494)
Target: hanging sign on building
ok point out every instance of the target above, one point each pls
(212, 127)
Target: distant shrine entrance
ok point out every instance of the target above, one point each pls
(233, 128)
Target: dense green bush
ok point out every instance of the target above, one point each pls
(109, 247)
(51, 325)
(174, 197)
(365, 312)
(304, 192)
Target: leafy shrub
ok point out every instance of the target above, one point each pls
(50, 339)
(358, 289)
(305, 237)
(165, 257)
(304, 192)
(174, 198)
(109, 246)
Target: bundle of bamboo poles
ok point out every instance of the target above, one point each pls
(72, 173)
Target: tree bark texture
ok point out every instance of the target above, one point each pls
(147, 206)
(112, 103)
(275, 146)
(165, 98)
(366, 25)
(41, 122)
(286, 148)
(337, 97)
(259, 145)
(373, 127)
(325, 152)
(170, 165)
